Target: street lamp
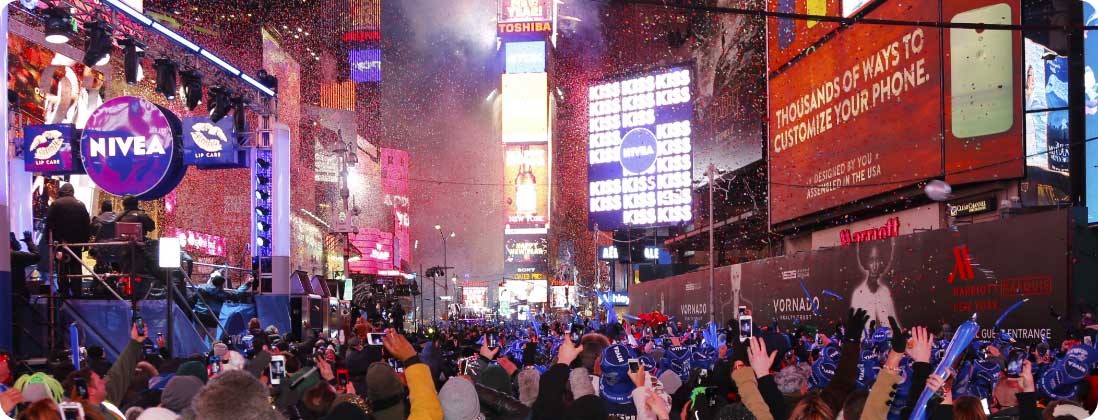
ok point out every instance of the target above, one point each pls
(444, 262)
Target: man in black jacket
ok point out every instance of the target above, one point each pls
(68, 221)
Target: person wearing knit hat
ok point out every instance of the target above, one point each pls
(195, 369)
(40, 386)
(179, 392)
(158, 413)
(579, 381)
(793, 379)
(234, 361)
(528, 383)
(386, 393)
(234, 395)
(459, 400)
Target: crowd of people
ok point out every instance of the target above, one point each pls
(569, 368)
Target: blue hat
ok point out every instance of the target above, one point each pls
(648, 362)
(614, 384)
(830, 353)
(1058, 381)
(703, 357)
(676, 359)
(822, 371)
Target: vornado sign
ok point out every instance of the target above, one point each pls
(129, 147)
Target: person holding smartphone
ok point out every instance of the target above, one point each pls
(102, 394)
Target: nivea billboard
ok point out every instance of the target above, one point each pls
(48, 149)
(129, 147)
(207, 144)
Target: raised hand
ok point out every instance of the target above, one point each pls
(899, 337)
(855, 325)
(759, 358)
(923, 344)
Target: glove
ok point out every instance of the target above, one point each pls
(855, 325)
(899, 338)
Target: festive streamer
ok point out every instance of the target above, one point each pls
(74, 342)
(961, 340)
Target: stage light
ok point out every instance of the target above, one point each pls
(262, 226)
(263, 163)
(262, 180)
(132, 52)
(219, 103)
(166, 70)
(192, 88)
(262, 195)
(97, 51)
(262, 211)
(260, 241)
(60, 26)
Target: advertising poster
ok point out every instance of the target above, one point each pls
(474, 297)
(526, 193)
(522, 292)
(787, 38)
(207, 144)
(1090, 17)
(930, 278)
(831, 110)
(48, 149)
(377, 251)
(639, 150)
(525, 108)
(524, 57)
(861, 114)
(365, 65)
(526, 257)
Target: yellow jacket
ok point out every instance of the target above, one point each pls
(881, 395)
(421, 393)
(748, 386)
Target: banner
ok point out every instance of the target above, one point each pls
(207, 144)
(930, 279)
(526, 173)
(48, 149)
(129, 147)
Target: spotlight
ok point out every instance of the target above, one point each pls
(97, 51)
(239, 122)
(263, 180)
(132, 52)
(192, 88)
(219, 103)
(262, 211)
(262, 195)
(261, 241)
(262, 226)
(263, 163)
(166, 77)
(60, 26)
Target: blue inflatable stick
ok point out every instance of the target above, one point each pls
(961, 339)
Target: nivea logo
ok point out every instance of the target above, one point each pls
(128, 147)
(125, 146)
(638, 150)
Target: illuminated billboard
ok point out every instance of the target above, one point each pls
(788, 37)
(526, 193)
(512, 11)
(524, 57)
(639, 150)
(861, 114)
(525, 108)
(365, 65)
(517, 292)
(376, 247)
(526, 257)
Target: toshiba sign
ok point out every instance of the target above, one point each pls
(891, 225)
(524, 27)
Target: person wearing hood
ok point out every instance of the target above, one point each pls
(132, 213)
(211, 296)
(459, 400)
(387, 397)
(68, 221)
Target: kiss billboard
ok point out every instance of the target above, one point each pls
(930, 278)
(48, 149)
(877, 108)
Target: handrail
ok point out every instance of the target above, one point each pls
(92, 270)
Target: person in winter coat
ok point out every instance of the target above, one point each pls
(102, 394)
(212, 296)
(496, 405)
(68, 221)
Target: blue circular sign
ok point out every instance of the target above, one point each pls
(129, 147)
(638, 151)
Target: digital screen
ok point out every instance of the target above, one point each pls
(511, 11)
(639, 152)
(518, 291)
(608, 253)
(526, 190)
(525, 108)
(365, 65)
(474, 297)
(376, 247)
(830, 111)
(524, 57)
(1090, 17)
(526, 257)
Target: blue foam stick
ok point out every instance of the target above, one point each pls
(961, 339)
(832, 294)
(74, 341)
(815, 310)
(1007, 312)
